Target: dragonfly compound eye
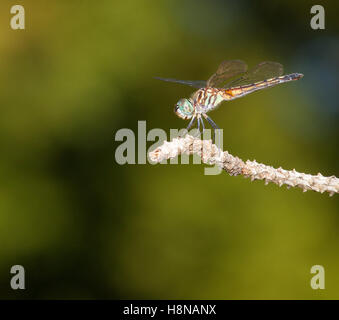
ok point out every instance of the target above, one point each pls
(184, 109)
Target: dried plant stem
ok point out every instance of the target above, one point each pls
(211, 154)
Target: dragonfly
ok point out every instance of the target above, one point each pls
(232, 80)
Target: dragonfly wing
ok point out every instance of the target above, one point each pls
(226, 70)
(196, 84)
(263, 71)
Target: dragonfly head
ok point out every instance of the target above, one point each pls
(184, 109)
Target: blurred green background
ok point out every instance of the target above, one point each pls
(85, 227)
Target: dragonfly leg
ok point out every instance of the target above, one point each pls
(213, 124)
(191, 123)
(198, 121)
(203, 125)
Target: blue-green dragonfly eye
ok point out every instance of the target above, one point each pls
(184, 109)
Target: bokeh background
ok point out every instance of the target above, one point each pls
(85, 227)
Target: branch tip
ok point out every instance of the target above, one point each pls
(212, 155)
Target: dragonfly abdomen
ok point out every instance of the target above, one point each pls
(240, 91)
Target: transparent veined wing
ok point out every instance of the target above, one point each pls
(226, 70)
(263, 71)
(196, 84)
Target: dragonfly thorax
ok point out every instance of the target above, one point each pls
(184, 108)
